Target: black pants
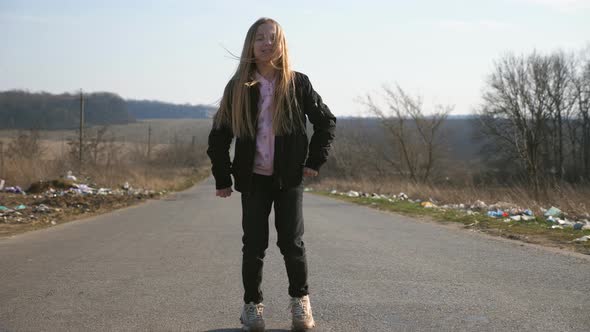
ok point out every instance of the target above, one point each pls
(256, 206)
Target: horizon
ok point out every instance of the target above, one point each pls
(87, 93)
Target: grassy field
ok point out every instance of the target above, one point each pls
(177, 148)
(163, 131)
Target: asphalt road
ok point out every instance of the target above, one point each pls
(174, 265)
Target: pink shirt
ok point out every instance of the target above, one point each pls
(265, 137)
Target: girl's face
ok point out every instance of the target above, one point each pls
(265, 42)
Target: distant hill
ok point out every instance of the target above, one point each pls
(151, 109)
(25, 110)
(21, 109)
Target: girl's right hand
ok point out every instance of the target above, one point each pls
(225, 192)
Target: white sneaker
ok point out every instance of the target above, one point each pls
(251, 317)
(301, 311)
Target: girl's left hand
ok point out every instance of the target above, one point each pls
(308, 172)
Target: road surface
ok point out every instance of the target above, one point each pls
(174, 265)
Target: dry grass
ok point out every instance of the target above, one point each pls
(177, 156)
(163, 131)
(156, 178)
(25, 172)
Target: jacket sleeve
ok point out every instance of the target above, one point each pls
(219, 141)
(324, 126)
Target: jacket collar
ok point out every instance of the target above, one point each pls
(255, 78)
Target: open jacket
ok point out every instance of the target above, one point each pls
(292, 151)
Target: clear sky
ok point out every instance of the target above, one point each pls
(174, 50)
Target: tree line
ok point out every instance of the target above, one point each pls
(535, 115)
(532, 127)
(151, 109)
(25, 110)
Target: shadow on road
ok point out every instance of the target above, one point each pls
(240, 330)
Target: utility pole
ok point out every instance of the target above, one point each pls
(149, 147)
(1, 160)
(81, 131)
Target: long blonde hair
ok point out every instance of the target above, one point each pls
(234, 109)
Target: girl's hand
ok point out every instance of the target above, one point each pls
(308, 172)
(225, 192)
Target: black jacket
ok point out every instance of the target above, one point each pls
(291, 151)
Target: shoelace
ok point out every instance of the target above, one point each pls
(254, 312)
(298, 308)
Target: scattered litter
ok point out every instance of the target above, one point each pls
(2, 182)
(565, 222)
(353, 193)
(50, 200)
(83, 189)
(497, 213)
(479, 205)
(41, 208)
(553, 212)
(14, 190)
(70, 176)
(578, 226)
(583, 238)
(428, 205)
(104, 191)
(506, 212)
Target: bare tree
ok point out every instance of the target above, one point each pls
(517, 108)
(94, 144)
(359, 152)
(561, 94)
(581, 87)
(98, 143)
(414, 136)
(26, 145)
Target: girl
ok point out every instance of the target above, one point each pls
(265, 106)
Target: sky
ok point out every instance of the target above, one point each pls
(177, 51)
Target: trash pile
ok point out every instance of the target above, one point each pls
(501, 210)
(51, 201)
